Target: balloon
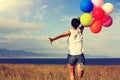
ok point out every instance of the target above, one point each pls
(107, 21)
(98, 13)
(86, 6)
(96, 26)
(108, 8)
(98, 3)
(86, 19)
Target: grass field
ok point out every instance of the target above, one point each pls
(56, 72)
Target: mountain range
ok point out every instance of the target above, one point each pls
(6, 53)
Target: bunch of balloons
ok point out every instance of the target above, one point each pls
(96, 14)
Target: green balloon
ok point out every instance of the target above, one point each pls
(86, 19)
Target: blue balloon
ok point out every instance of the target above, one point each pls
(86, 6)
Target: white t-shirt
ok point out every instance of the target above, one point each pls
(75, 42)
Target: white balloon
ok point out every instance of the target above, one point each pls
(108, 8)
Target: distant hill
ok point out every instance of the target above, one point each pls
(6, 53)
(17, 53)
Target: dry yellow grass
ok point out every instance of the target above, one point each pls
(56, 72)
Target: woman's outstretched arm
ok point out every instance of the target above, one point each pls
(67, 33)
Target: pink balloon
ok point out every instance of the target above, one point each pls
(107, 21)
(96, 26)
(98, 3)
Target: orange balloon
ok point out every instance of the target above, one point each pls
(96, 26)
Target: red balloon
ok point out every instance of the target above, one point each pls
(107, 21)
(96, 26)
(98, 13)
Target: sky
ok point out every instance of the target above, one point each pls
(27, 25)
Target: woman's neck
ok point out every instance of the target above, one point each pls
(74, 28)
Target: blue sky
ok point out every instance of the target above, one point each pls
(27, 24)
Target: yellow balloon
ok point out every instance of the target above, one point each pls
(86, 19)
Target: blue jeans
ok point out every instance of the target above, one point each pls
(72, 60)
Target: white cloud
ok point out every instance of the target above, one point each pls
(15, 7)
(40, 13)
(13, 37)
(59, 8)
(66, 18)
(36, 43)
(44, 6)
(16, 36)
(15, 25)
(16, 15)
(60, 44)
